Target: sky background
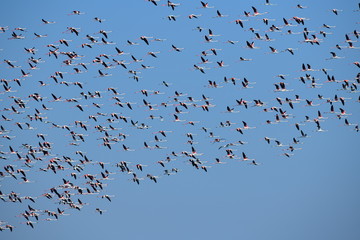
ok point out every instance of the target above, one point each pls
(313, 194)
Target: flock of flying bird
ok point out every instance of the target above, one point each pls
(111, 120)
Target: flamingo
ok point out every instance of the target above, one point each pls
(201, 69)
(176, 48)
(145, 39)
(251, 45)
(3, 29)
(205, 5)
(334, 56)
(191, 16)
(172, 5)
(239, 22)
(16, 36)
(47, 22)
(256, 13)
(218, 14)
(245, 158)
(245, 59)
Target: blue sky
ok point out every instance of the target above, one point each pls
(311, 194)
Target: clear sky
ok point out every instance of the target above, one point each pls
(280, 190)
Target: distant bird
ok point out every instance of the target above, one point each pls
(176, 48)
(205, 5)
(47, 22)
